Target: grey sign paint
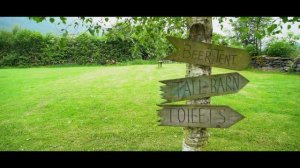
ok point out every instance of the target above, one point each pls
(200, 53)
(202, 86)
(204, 116)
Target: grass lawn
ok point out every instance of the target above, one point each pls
(114, 108)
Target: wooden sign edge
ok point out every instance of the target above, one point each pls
(171, 40)
(186, 105)
(177, 79)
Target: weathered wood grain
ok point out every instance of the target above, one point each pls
(201, 116)
(201, 53)
(203, 86)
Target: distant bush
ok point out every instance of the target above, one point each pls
(138, 62)
(295, 53)
(29, 48)
(280, 49)
(9, 59)
(251, 49)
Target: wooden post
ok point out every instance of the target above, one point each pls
(200, 29)
(160, 64)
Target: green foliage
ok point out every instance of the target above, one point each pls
(147, 35)
(29, 48)
(251, 49)
(52, 20)
(137, 62)
(292, 38)
(252, 30)
(6, 41)
(296, 52)
(257, 27)
(271, 28)
(280, 48)
(175, 21)
(38, 19)
(9, 59)
(284, 46)
(219, 39)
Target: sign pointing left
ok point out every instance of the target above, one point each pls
(200, 53)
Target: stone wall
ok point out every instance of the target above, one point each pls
(296, 65)
(276, 63)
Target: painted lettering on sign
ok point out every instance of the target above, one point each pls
(208, 54)
(202, 86)
(203, 116)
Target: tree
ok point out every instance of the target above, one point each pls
(252, 30)
(146, 33)
(249, 30)
(292, 38)
(219, 39)
(175, 23)
(284, 46)
(147, 39)
(200, 29)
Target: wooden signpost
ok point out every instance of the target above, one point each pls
(204, 116)
(203, 86)
(195, 116)
(191, 88)
(200, 53)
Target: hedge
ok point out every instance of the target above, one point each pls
(29, 48)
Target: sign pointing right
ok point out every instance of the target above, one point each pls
(203, 116)
(203, 86)
(200, 53)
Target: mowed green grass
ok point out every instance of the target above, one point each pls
(114, 108)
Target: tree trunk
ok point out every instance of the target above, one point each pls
(200, 29)
(256, 45)
(259, 47)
